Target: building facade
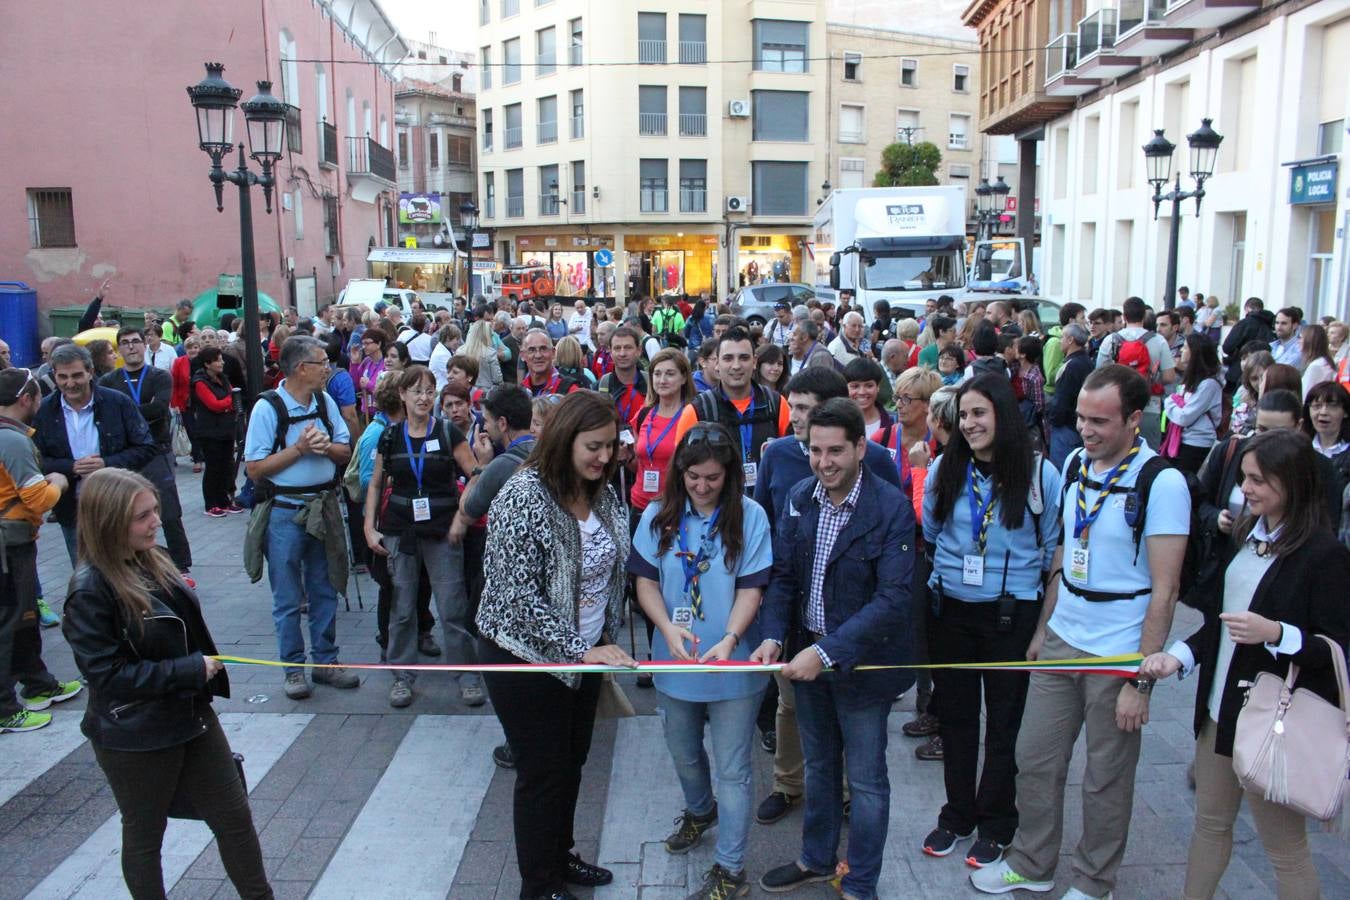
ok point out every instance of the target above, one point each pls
(635, 151)
(135, 205)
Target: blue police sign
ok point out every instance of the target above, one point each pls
(1313, 184)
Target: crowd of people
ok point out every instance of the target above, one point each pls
(846, 499)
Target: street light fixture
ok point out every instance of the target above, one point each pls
(265, 117)
(1204, 149)
(983, 195)
(468, 215)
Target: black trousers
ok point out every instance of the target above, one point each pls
(144, 784)
(218, 478)
(379, 572)
(475, 544)
(1190, 459)
(20, 636)
(966, 632)
(549, 727)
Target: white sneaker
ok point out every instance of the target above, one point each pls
(1001, 879)
(1076, 894)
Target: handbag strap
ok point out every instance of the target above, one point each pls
(1342, 682)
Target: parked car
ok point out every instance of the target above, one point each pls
(369, 291)
(755, 302)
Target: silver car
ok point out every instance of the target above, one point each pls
(755, 302)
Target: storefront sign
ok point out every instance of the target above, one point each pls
(1313, 184)
(579, 241)
(410, 242)
(482, 240)
(419, 209)
(484, 265)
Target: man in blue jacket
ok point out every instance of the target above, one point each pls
(81, 428)
(839, 598)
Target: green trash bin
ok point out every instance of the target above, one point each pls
(65, 320)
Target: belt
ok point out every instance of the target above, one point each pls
(285, 505)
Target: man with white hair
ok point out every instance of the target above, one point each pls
(850, 344)
(579, 325)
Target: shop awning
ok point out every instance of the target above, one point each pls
(411, 255)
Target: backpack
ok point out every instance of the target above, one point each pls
(263, 489)
(1197, 544)
(1134, 354)
(708, 409)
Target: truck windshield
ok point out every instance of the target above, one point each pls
(913, 271)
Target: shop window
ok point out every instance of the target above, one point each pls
(781, 115)
(51, 217)
(781, 46)
(779, 188)
(653, 190)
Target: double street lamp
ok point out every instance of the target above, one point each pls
(990, 202)
(1204, 144)
(265, 116)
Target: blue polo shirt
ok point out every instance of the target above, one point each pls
(786, 461)
(262, 428)
(719, 585)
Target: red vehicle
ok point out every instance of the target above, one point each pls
(526, 282)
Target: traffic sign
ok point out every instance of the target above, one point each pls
(604, 258)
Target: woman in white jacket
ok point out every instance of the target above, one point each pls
(1198, 407)
(479, 345)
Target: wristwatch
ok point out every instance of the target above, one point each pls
(1143, 685)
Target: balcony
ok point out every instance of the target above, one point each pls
(328, 146)
(1096, 46)
(652, 123)
(515, 207)
(1061, 58)
(651, 52)
(1141, 30)
(548, 204)
(693, 200)
(370, 168)
(654, 200)
(487, 142)
(578, 202)
(1208, 13)
(578, 127)
(693, 53)
(693, 125)
(548, 132)
(490, 208)
(512, 138)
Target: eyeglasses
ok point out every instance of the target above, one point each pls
(315, 362)
(707, 434)
(416, 393)
(130, 342)
(904, 399)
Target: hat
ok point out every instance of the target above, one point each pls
(381, 306)
(782, 304)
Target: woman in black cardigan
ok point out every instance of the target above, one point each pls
(1284, 585)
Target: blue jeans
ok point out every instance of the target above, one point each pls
(837, 724)
(297, 570)
(1064, 439)
(732, 723)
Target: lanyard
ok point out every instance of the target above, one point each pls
(981, 513)
(134, 388)
(651, 447)
(550, 388)
(746, 421)
(1083, 519)
(696, 564)
(418, 461)
(626, 401)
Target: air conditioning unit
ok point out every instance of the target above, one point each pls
(738, 109)
(738, 204)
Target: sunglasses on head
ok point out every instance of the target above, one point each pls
(28, 378)
(706, 434)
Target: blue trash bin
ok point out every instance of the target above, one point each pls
(19, 323)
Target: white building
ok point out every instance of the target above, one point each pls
(1273, 77)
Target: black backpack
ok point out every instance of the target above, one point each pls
(285, 420)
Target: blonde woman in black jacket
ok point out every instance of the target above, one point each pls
(138, 637)
(1284, 585)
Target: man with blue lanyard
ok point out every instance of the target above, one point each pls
(1108, 594)
(150, 388)
(625, 383)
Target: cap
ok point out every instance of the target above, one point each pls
(782, 304)
(381, 306)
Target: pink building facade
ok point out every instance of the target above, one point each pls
(102, 176)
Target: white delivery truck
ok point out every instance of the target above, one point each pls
(903, 245)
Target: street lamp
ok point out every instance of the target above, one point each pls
(265, 117)
(468, 215)
(1204, 146)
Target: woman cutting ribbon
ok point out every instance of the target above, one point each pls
(702, 555)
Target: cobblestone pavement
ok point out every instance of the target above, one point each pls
(354, 799)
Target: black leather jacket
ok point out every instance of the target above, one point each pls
(147, 681)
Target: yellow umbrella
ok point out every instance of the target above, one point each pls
(105, 333)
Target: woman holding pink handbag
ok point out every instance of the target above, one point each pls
(1194, 413)
(1283, 587)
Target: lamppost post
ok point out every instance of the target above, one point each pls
(1204, 148)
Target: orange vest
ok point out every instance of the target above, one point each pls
(1343, 373)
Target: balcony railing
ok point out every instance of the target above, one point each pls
(366, 156)
(574, 55)
(1134, 13)
(578, 127)
(548, 132)
(651, 51)
(578, 202)
(654, 200)
(515, 207)
(1061, 56)
(693, 124)
(548, 204)
(1096, 33)
(487, 142)
(512, 137)
(490, 208)
(651, 123)
(328, 149)
(295, 134)
(693, 200)
(694, 53)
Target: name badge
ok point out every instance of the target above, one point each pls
(651, 481)
(433, 445)
(682, 617)
(751, 472)
(972, 570)
(1078, 564)
(421, 509)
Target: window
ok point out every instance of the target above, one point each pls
(442, 60)
(851, 172)
(693, 185)
(511, 136)
(780, 115)
(693, 111)
(850, 124)
(961, 78)
(778, 188)
(458, 151)
(548, 190)
(511, 61)
(542, 2)
(577, 42)
(510, 8)
(781, 46)
(545, 51)
(298, 208)
(330, 225)
(852, 66)
(484, 11)
(485, 67)
(578, 187)
(421, 54)
(652, 109)
(489, 196)
(958, 129)
(1330, 137)
(909, 73)
(51, 217)
(487, 131)
(402, 149)
(653, 185)
(651, 37)
(578, 114)
(907, 125)
(548, 119)
(457, 83)
(515, 193)
(321, 93)
(693, 39)
(433, 150)
(959, 171)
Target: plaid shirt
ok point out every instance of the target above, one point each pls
(832, 521)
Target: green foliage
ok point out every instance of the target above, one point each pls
(905, 165)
